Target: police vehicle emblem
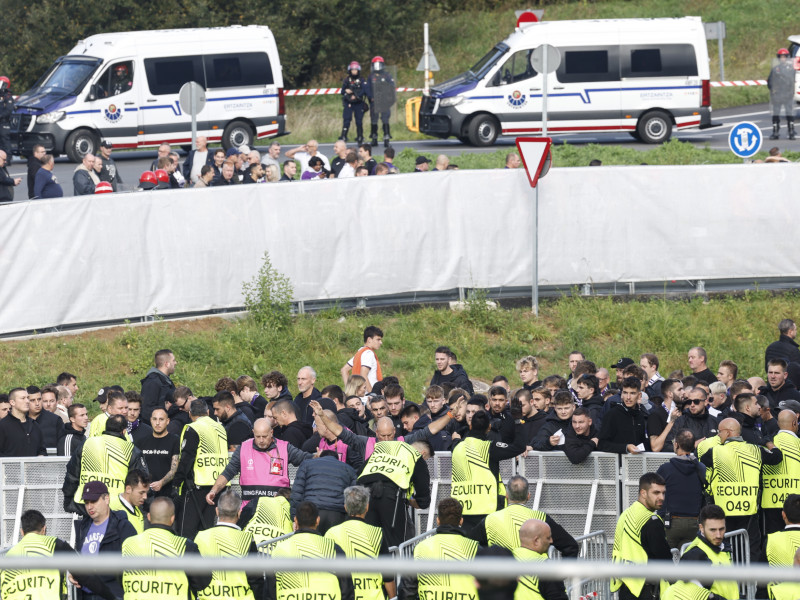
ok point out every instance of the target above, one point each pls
(113, 113)
(517, 99)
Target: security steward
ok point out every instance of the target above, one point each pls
(789, 590)
(307, 542)
(358, 539)
(735, 481)
(268, 517)
(266, 461)
(476, 466)
(781, 546)
(107, 458)
(112, 402)
(158, 540)
(535, 539)
(640, 537)
(448, 543)
(204, 454)
(502, 528)
(709, 547)
(228, 540)
(784, 479)
(137, 484)
(25, 584)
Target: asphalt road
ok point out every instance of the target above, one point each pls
(132, 163)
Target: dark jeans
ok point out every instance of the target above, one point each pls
(387, 510)
(194, 513)
(329, 518)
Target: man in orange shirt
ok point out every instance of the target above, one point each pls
(365, 361)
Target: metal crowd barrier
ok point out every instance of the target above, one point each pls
(593, 546)
(739, 542)
(266, 546)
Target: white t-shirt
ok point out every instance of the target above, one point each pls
(346, 171)
(368, 359)
(304, 157)
(197, 163)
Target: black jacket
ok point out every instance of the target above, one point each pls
(18, 439)
(750, 433)
(238, 428)
(458, 378)
(623, 426)
(322, 481)
(657, 423)
(71, 442)
(119, 529)
(52, 428)
(6, 186)
(785, 348)
(296, 433)
(34, 164)
(686, 478)
(578, 447)
(157, 388)
(595, 407)
(440, 442)
(247, 411)
(532, 426)
(787, 391)
(701, 426)
(178, 419)
(303, 410)
(551, 424)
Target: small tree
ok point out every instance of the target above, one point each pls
(268, 297)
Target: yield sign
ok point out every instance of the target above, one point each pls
(535, 153)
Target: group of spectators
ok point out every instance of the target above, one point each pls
(341, 436)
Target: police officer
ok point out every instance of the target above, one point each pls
(709, 547)
(268, 517)
(20, 584)
(448, 542)
(354, 96)
(735, 480)
(535, 539)
(6, 110)
(266, 464)
(107, 458)
(228, 540)
(781, 93)
(308, 543)
(137, 484)
(121, 80)
(502, 528)
(204, 454)
(784, 479)
(640, 537)
(382, 94)
(158, 540)
(476, 466)
(358, 539)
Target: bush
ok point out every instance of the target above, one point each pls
(268, 297)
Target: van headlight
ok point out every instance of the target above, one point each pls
(451, 101)
(50, 117)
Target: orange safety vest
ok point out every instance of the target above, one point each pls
(357, 363)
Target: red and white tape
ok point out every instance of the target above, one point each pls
(333, 91)
(739, 83)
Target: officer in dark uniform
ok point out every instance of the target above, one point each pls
(781, 82)
(382, 94)
(6, 110)
(354, 96)
(121, 80)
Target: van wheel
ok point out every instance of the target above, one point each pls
(237, 133)
(463, 139)
(655, 127)
(80, 143)
(483, 130)
(635, 135)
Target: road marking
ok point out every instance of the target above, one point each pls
(763, 112)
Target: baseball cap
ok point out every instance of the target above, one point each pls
(106, 144)
(789, 405)
(622, 363)
(94, 490)
(421, 160)
(244, 149)
(232, 152)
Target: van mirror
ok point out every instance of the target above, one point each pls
(92, 92)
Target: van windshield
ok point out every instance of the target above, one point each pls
(67, 77)
(480, 68)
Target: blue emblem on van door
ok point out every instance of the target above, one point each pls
(517, 99)
(113, 113)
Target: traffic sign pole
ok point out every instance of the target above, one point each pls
(194, 121)
(544, 96)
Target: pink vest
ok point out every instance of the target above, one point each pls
(339, 447)
(370, 448)
(263, 473)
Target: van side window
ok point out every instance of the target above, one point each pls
(167, 75)
(665, 60)
(235, 70)
(116, 79)
(579, 65)
(516, 68)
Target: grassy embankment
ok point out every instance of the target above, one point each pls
(754, 32)
(487, 342)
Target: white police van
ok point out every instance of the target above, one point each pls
(123, 87)
(794, 51)
(641, 76)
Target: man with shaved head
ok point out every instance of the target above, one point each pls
(736, 478)
(535, 539)
(306, 378)
(262, 464)
(779, 481)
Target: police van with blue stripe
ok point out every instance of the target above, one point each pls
(646, 77)
(123, 87)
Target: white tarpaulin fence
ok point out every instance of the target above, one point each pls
(112, 257)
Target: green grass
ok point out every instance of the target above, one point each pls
(755, 30)
(487, 342)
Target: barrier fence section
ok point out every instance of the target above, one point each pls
(460, 218)
(594, 547)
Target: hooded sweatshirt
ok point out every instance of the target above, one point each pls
(685, 477)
